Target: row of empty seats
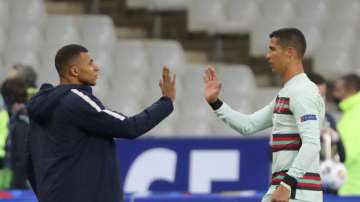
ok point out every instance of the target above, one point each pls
(158, 5)
(92, 30)
(36, 45)
(23, 11)
(330, 26)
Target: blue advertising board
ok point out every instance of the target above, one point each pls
(194, 165)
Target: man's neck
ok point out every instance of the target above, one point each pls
(68, 80)
(294, 68)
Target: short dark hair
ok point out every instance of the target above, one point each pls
(13, 90)
(65, 55)
(351, 82)
(316, 78)
(291, 37)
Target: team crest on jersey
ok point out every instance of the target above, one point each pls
(308, 117)
(282, 105)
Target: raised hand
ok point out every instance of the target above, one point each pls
(212, 85)
(168, 85)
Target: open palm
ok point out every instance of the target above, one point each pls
(212, 85)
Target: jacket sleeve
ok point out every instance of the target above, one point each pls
(308, 113)
(243, 123)
(87, 113)
(18, 137)
(30, 167)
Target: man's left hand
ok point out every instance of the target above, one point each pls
(281, 194)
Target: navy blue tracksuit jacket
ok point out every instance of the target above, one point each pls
(71, 150)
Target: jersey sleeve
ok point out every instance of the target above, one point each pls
(86, 112)
(246, 124)
(308, 112)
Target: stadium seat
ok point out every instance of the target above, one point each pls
(30, 11)
(203, 15)
(346, 11)
(264, 95)
(192, 80)
(47, 54)
(47, 71)
(48, 74)
(131, 54)
(168, 5)
(61, 30)
(312, 34)
(238, 86)
(14, 55)
(259, 37)
(25, 35)
(280, 11)
(97, 30)
(240, 18)
(120, 102)
(167, 128)
(166, 52)
(312, 11)
(220, 129)
(194, 103)
(339, 34)
(153, 91)
(194, 125)
(128, 84)
(195, 114)
(355, 53)
(274, 15)
(136, 4)
(126, 87)
(332, 62)
(3, 70)
(3, 40)
(4, 13)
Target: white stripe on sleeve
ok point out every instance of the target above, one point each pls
(87, 99)
(94, 105)
(114, 114)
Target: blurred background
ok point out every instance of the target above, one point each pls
(130, 40)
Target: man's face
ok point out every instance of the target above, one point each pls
(87, 69)
(340, 91)
(277, 56)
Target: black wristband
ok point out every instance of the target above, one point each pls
(216, 105)
(292, 182)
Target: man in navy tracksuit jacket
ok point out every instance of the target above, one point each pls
(71, 147)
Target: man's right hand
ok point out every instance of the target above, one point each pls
(212, 85)
(167, 85)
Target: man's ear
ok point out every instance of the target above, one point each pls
(291, 52)
(74, 70)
